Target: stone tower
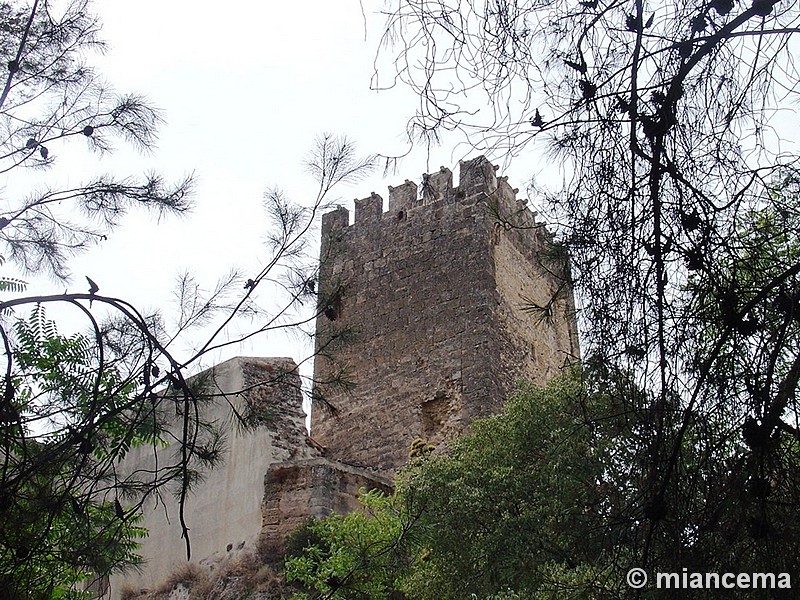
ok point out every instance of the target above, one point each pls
(431, 311)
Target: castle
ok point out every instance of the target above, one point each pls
(428, 315)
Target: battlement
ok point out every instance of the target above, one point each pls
(433, 310)
(478, 181)
(428, 315)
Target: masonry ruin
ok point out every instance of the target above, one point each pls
(429, 313)
(441, 303)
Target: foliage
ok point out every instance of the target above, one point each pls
(507, 514)
(73, 406)
(679, 212)
(50, 99)
(509, 505)
(62, 522)
(85, 400)
(552, 498)
(748, 310)
(359, 555)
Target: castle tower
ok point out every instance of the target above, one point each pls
(432, 311)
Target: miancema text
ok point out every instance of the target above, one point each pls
(723, 580)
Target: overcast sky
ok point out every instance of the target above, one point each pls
(244, 89)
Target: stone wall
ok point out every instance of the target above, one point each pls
(429, 314)
(297, 490)
(423, 311)
(223, 512)
(535, 313)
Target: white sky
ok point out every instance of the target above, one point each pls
(244, 89)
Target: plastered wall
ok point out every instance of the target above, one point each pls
(224, 510)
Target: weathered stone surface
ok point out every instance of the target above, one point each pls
(432, 310)
(436, 186)
(402, 197)
(297, 490)
(224, 511)
(431, 324)
(369, 209)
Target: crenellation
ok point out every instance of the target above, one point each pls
(475, 176)
(335, 220)
(432, 312)
(437, 186)
(478, 183)
(402, 198)
(513, 212)
(369, 210)
(436, 292)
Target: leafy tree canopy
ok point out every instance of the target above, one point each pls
(553, 498)
(678, 209)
